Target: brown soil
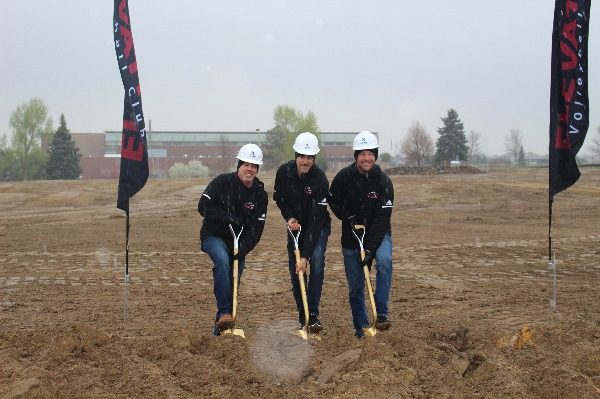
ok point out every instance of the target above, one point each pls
(470, 303)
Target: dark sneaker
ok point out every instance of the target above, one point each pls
(216, 331)
(314, 324)
(225, 322)
(360, 334)
(382, 323)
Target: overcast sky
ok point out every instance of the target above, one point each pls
(225, 65)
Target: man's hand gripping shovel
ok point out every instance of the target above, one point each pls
(236, 241)
(371, 331)
(303, 333)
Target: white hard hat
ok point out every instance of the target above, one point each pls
(306, 144)
(250, 153)
(365, 140)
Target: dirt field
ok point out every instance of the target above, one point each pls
(470, 297)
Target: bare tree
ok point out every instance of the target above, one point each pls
(514, 143)
(224, 154)
(474, 145)
(417, 145)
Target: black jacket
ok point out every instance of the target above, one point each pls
(369, 198)
(305, 199)
(226, 195)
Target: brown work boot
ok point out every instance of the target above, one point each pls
(225, 322)
(382, 323)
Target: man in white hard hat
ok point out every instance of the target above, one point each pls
(236, 199)
(301, 191)
(362, 194)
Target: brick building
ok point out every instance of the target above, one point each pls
(100, 152)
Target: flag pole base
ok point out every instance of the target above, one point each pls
(125, 294)
(552, 268)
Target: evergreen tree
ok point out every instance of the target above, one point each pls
(452, 143)
(64, 156)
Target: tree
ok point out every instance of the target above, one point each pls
(279, 140)
(386, 157)
(30, 125)
(225, 162)
(8, 162)
(452, 143)
(63, 162)
(514, 142)
(417, 146)
(474, 146)
(521, 157)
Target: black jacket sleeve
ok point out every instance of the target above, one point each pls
(209, 205)
(338, 201)
(254, 226)
(382, 214)
(317, 217)
(279, 197)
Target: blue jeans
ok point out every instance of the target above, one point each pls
(356, 282)
(222, 270)
(314, 286)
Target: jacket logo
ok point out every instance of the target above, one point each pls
(249, 205)
(372, 195)
(308, 190)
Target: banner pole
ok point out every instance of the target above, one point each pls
(550, 202)
(126, 284)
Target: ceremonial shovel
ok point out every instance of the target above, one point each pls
(371, 331)
(236, 238)
(303, 333)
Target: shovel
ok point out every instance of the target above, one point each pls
(371, 331)
(303, 333)
(236, 239)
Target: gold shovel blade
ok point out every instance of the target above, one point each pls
(302, 333)
(370, 331)
(305, 334)
(235, 331)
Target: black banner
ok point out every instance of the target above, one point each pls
(569, 107)
(134, 152)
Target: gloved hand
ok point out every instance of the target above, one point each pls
(236, 256)
(232, 220)
(368, 260)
